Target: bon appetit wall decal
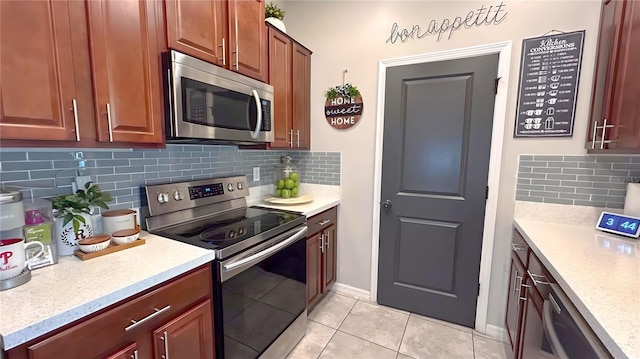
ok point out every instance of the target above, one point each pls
(483, 16)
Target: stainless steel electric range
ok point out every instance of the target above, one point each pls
(260, 267)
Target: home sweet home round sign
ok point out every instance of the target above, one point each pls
(342, 112)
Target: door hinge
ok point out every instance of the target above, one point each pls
(487, 193)
(497, 82)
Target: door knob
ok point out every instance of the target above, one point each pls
(386, 204)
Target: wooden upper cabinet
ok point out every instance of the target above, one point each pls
(198, 28)
(248, 38)
(301, 72)
(126, 70)
(280, 78)
(617, 82)
(37, 76)
(188, 336)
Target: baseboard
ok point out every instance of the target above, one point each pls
(351, 291)
(497, 333)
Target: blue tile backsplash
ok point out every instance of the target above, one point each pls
(595, 181)
(123, 173)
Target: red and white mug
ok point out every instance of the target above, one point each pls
(13, 258)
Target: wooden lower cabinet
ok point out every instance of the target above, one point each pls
(178, 311)
(322, 252)
(523, 320)
(188, 336)
(130, 352)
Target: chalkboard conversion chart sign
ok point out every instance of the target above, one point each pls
(548, 89)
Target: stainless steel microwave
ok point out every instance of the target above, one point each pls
(207, 103)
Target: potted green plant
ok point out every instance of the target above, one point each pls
(274, 15)
(72, 213)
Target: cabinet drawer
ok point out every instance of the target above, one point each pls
(321, 221)
(539, 276)
(98, 335)
(519, 246)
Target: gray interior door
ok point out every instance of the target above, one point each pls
(437, 136)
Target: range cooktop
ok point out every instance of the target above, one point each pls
(232, 231)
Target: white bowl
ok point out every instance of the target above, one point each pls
(125, 236)
(94, 244)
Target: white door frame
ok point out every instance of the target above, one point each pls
(497, 137)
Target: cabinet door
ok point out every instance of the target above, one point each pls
(314, 269)
(126, 68)
(130, 352)
(514, 309)
(280, 79)
(190, 335)
(198, 28)
(248, 34)
(625, 114)
(38, 87)
(329, 260)
(532, 345)
(301, 71)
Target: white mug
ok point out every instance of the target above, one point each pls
(12, 256)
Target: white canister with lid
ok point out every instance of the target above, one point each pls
(118, 220)
(11, 212)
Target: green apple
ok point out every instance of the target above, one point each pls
(276, 193)
(294, 176)
(280, 184)
(289, 184)
(285, 193)
(294, 191)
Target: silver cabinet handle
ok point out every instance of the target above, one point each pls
(322, 242)
(604, 132)
(157, 312)
(110, 123)
(518, 247)
(256, 97)
(595, 132)
(224, 53)
(165, 339)
(298, 134)
(75, 119)
(516, 286)
(291, 136)
(322, 223)
(237, 67)
(327, 240)
(135, 354)
(537, 281)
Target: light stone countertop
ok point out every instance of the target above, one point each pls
(599, 272)
(62, 293)
(324, 197)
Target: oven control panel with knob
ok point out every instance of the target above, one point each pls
(171, 197)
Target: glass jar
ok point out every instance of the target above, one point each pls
(286, 179)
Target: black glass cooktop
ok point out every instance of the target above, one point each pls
(232, 229)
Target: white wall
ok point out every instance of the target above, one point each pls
(351, 35)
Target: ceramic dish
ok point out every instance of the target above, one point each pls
(94, 244)
(290, 201)
(125, 236)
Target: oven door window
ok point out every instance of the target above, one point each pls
(262, 301)
(213, 106)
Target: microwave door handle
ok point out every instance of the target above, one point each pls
(550, 331)
(256, 132)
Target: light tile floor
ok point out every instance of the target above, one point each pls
(342, 327)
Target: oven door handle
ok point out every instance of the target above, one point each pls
(267, 252)
(256, 97)
(549, 330)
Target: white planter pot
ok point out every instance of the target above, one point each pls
(66, 239)
(277, 23)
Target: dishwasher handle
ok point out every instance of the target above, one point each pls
(549, 330)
